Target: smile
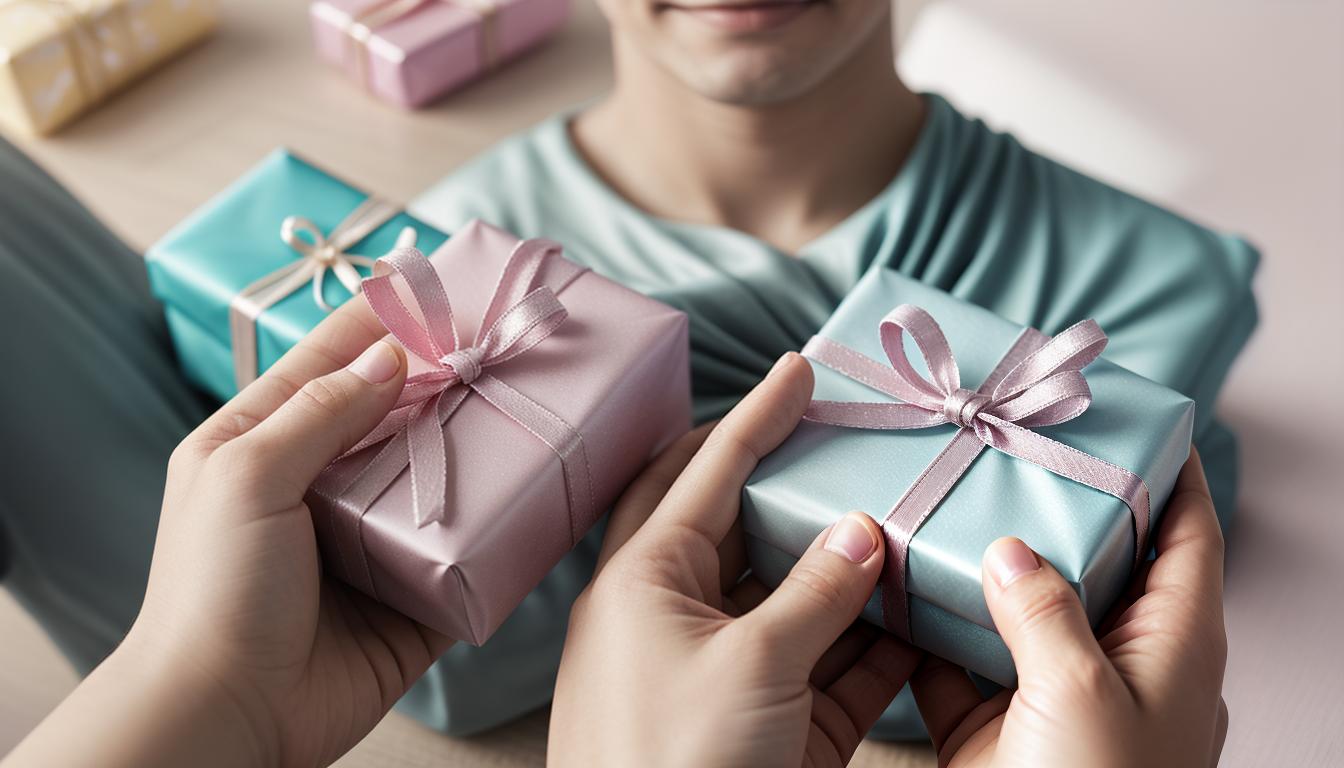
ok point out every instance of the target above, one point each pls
(743, 17)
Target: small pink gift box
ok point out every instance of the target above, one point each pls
(410, 52)
(505, 450)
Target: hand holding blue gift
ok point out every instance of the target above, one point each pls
(673, 657)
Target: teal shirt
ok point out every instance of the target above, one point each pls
(972, 212)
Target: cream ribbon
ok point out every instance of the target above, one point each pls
(319, 253)
(361, 28)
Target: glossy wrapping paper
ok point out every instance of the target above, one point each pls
(823, 471)
(435, 47)
(616, 370)
(59, 58)
(199, 267)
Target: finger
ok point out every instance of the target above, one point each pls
(1040, 619)
(823, 594)
(866, 689)
(945, 696)
(1133, 591)
(337, 340)
(1190, 544)
(706, 497)
(1219, 733)
(643, 495)
(844, 653)
(324, 419)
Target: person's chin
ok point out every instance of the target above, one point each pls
(750, 54)
(749, 85)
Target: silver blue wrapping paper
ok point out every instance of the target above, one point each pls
(822, 471)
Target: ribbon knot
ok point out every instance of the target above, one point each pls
(1039, 382)
(322, 254)
(466, 363)
(963, 405)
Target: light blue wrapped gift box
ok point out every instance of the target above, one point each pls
(821, 472)
(198, 268)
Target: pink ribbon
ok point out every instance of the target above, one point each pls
(1038, 383)
(522, 313)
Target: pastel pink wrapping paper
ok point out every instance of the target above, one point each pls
(616, 370)
(435, 48)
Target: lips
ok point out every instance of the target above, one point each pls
(743, 17)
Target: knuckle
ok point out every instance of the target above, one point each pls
(1044, 605)
(322, 397)
(236, 466)
(724, 439)
(182, 458)
(820, 589)
(1090, 673)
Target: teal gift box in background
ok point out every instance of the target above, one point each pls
(201, 267)
(822, 472)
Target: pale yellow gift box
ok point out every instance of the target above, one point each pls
(59, 57)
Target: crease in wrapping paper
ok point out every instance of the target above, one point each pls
(60, 57)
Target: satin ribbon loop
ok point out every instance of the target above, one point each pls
(1038, 382)
(521, 314)
(320, 252)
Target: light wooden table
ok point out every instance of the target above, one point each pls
(157, 151)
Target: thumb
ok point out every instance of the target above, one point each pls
(823, 594)
(328, 416)
(1040, 618)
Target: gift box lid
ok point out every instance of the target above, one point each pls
(823, 471)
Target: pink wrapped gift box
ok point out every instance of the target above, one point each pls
(523, 475)
(410, 52)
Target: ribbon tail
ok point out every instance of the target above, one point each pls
(347, 274)
(1080, 467)
(428, 452)
(909, 514)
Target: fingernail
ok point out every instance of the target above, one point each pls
(784, 360)
(851, 539)
(1007, 559)
(376, 364)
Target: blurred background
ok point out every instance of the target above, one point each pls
(1229, 111)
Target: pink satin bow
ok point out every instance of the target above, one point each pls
(522, 313)
(1038, 383)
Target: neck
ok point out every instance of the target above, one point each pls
(784, 172)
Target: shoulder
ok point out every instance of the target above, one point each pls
(1081, 218)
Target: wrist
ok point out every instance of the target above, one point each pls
(186, 705)
(140, 708)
